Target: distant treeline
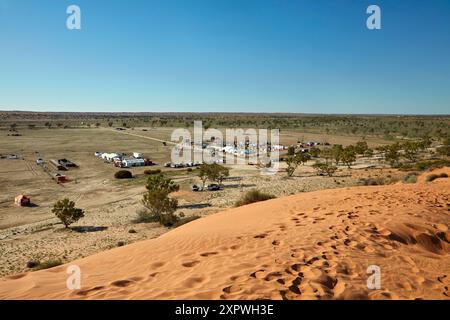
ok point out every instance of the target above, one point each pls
(386, 126)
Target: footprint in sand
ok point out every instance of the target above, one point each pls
(87, 291)
(275, 242)
(260, 236)
(122, 283)
(157, 265)
(272, 276)
(190, 264)
(207, 254)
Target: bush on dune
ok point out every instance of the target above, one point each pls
(433, 176)
(410, 178)
(253, 196)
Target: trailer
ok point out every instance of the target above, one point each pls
(110, 156)
(67, 163)
(57, 165)
(128, 163)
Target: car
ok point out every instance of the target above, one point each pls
(39, 161)
(98, 154)
(195, 188)
(213, 187)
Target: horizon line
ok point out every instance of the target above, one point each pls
(225, 112)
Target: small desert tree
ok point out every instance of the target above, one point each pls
(292, 164)
(219, 173)
(361, 147)
(411, 150)
(294, 161)
(444, 150)
(325, 168)
(392, 154)
(213, 172)
(303, 157)
(337, 153)
(348, 156)
(327, 154)
(160, 207)
(291, 151)
(66, 211)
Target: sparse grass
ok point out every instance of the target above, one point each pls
(378, 181)
(410, 178)
(185, 220)
(253, 196)
(48, 264)
(432, 164)
(143, 216)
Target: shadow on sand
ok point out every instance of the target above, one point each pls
(86, 229)
(195, 206)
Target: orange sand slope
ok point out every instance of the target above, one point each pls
(306, 246)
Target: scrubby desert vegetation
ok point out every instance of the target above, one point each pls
(124, 206)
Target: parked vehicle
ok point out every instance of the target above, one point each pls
(39, 161)
(213, 187)
(195, 188)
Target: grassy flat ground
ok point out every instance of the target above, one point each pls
(111, 205)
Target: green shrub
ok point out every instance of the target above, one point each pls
(123, 174)
(120, 243)
(410, 178)
(152, 171)
(431, 177)
(160, 207)
(253, 196)
(325, 168)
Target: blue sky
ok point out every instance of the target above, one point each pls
(311, 56)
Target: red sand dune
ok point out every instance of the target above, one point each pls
(306, 246)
